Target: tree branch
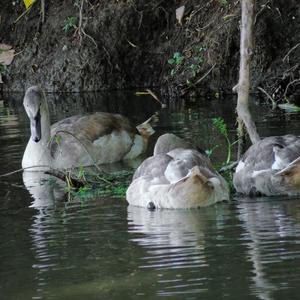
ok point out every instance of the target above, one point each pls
(243, 87)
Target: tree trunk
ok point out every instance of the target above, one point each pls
(243, 87)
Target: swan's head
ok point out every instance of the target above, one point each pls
(33, 104)
(168, 142)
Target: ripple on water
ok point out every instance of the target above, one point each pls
(100, 249)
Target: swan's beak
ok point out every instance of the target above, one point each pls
(36, 128)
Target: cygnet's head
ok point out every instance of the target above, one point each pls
(32, 103)
(168, 142)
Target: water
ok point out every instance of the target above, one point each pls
(102, 249)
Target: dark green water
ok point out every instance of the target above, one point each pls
(102, 249)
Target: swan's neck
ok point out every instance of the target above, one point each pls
(38, 154)
(45, 124)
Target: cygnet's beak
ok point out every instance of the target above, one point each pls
(35, 127)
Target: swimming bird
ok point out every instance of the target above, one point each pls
(270, 167)
(80, 140)
(176, 176)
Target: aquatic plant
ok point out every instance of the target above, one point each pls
(221, 126)
(83, 184)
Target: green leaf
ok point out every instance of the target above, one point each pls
(220, 124)
(177, 55)
(57, 139)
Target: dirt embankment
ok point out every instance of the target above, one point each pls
(122, 44)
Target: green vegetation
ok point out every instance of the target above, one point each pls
(109, 185)
(196, 61)
(175, 61)
(189, 64)
(224, 2)
(3, 68)
(221, 126)
(69, 23)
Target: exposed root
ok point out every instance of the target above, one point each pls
(80, 30)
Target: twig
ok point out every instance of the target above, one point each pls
(261, 10)
(297, 81)
(77, 183)
(200, 79)
(206, 74)
(228, 167)
(23, 14)
(23, 169)
(13, 184)
(77, 139)
(156, 98)
(274, 104)
(206, 26)
(80, 29)
(291, 50)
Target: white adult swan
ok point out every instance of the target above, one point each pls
(80, 140)
(176, 176)
(270, 167)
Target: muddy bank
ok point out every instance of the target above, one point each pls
(123, 44)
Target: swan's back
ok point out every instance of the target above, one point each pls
(93, 126)
(257, 171)
(180, 178)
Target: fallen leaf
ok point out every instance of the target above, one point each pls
(6, 56)
(179, 14)
(132, 44)
(28, 3)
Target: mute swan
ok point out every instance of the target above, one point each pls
(80, 140)
(176, 177)
(270, 167)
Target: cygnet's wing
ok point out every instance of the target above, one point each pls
(94, 126)
(277, 150)
(153, 167)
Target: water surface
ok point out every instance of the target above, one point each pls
(52, 248)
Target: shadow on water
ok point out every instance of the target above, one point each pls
(52, 248)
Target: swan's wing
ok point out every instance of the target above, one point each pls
(93, 127)
(192, 158)
(153, 167)
(255, 171)
(171, 167)
(272, 153)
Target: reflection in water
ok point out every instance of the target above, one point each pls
(176, 240)
(44, 189)
(268, 229)
(100, 249)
